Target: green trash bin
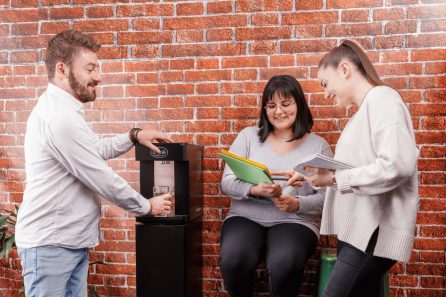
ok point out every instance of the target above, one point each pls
(385, 288)
(328, 259)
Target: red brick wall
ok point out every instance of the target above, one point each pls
(196, 69)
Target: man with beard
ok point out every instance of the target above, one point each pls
(66, 173)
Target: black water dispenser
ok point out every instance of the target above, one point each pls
(169, 248)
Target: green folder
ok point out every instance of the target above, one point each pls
(245, 169)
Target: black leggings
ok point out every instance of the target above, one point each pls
(357, 274)
(286, 247)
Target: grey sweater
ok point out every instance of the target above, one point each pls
(265, 213)
(382, 189)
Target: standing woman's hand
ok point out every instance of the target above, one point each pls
(266, 190)
(320, 177)
(294, 179)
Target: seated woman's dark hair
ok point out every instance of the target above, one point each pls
(287, 87)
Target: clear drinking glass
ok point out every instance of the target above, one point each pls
(160, 190)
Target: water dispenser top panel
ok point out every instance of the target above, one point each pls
(170, 151)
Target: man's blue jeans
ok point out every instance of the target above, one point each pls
(51, 271)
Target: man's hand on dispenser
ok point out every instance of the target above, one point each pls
(266, 190)
(148, 137)
(160, 204)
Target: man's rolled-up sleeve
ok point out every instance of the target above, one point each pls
(75, 147)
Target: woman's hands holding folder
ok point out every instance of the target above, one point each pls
(266, 190)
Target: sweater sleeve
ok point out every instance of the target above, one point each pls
(230, 184)
(394, 145)
(314, 203)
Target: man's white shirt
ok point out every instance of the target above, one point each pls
(66, 169)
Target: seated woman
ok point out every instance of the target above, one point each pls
(284, 232)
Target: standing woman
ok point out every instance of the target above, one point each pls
(286, 232)
(371, 208)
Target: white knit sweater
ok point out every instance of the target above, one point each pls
(382, 188)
